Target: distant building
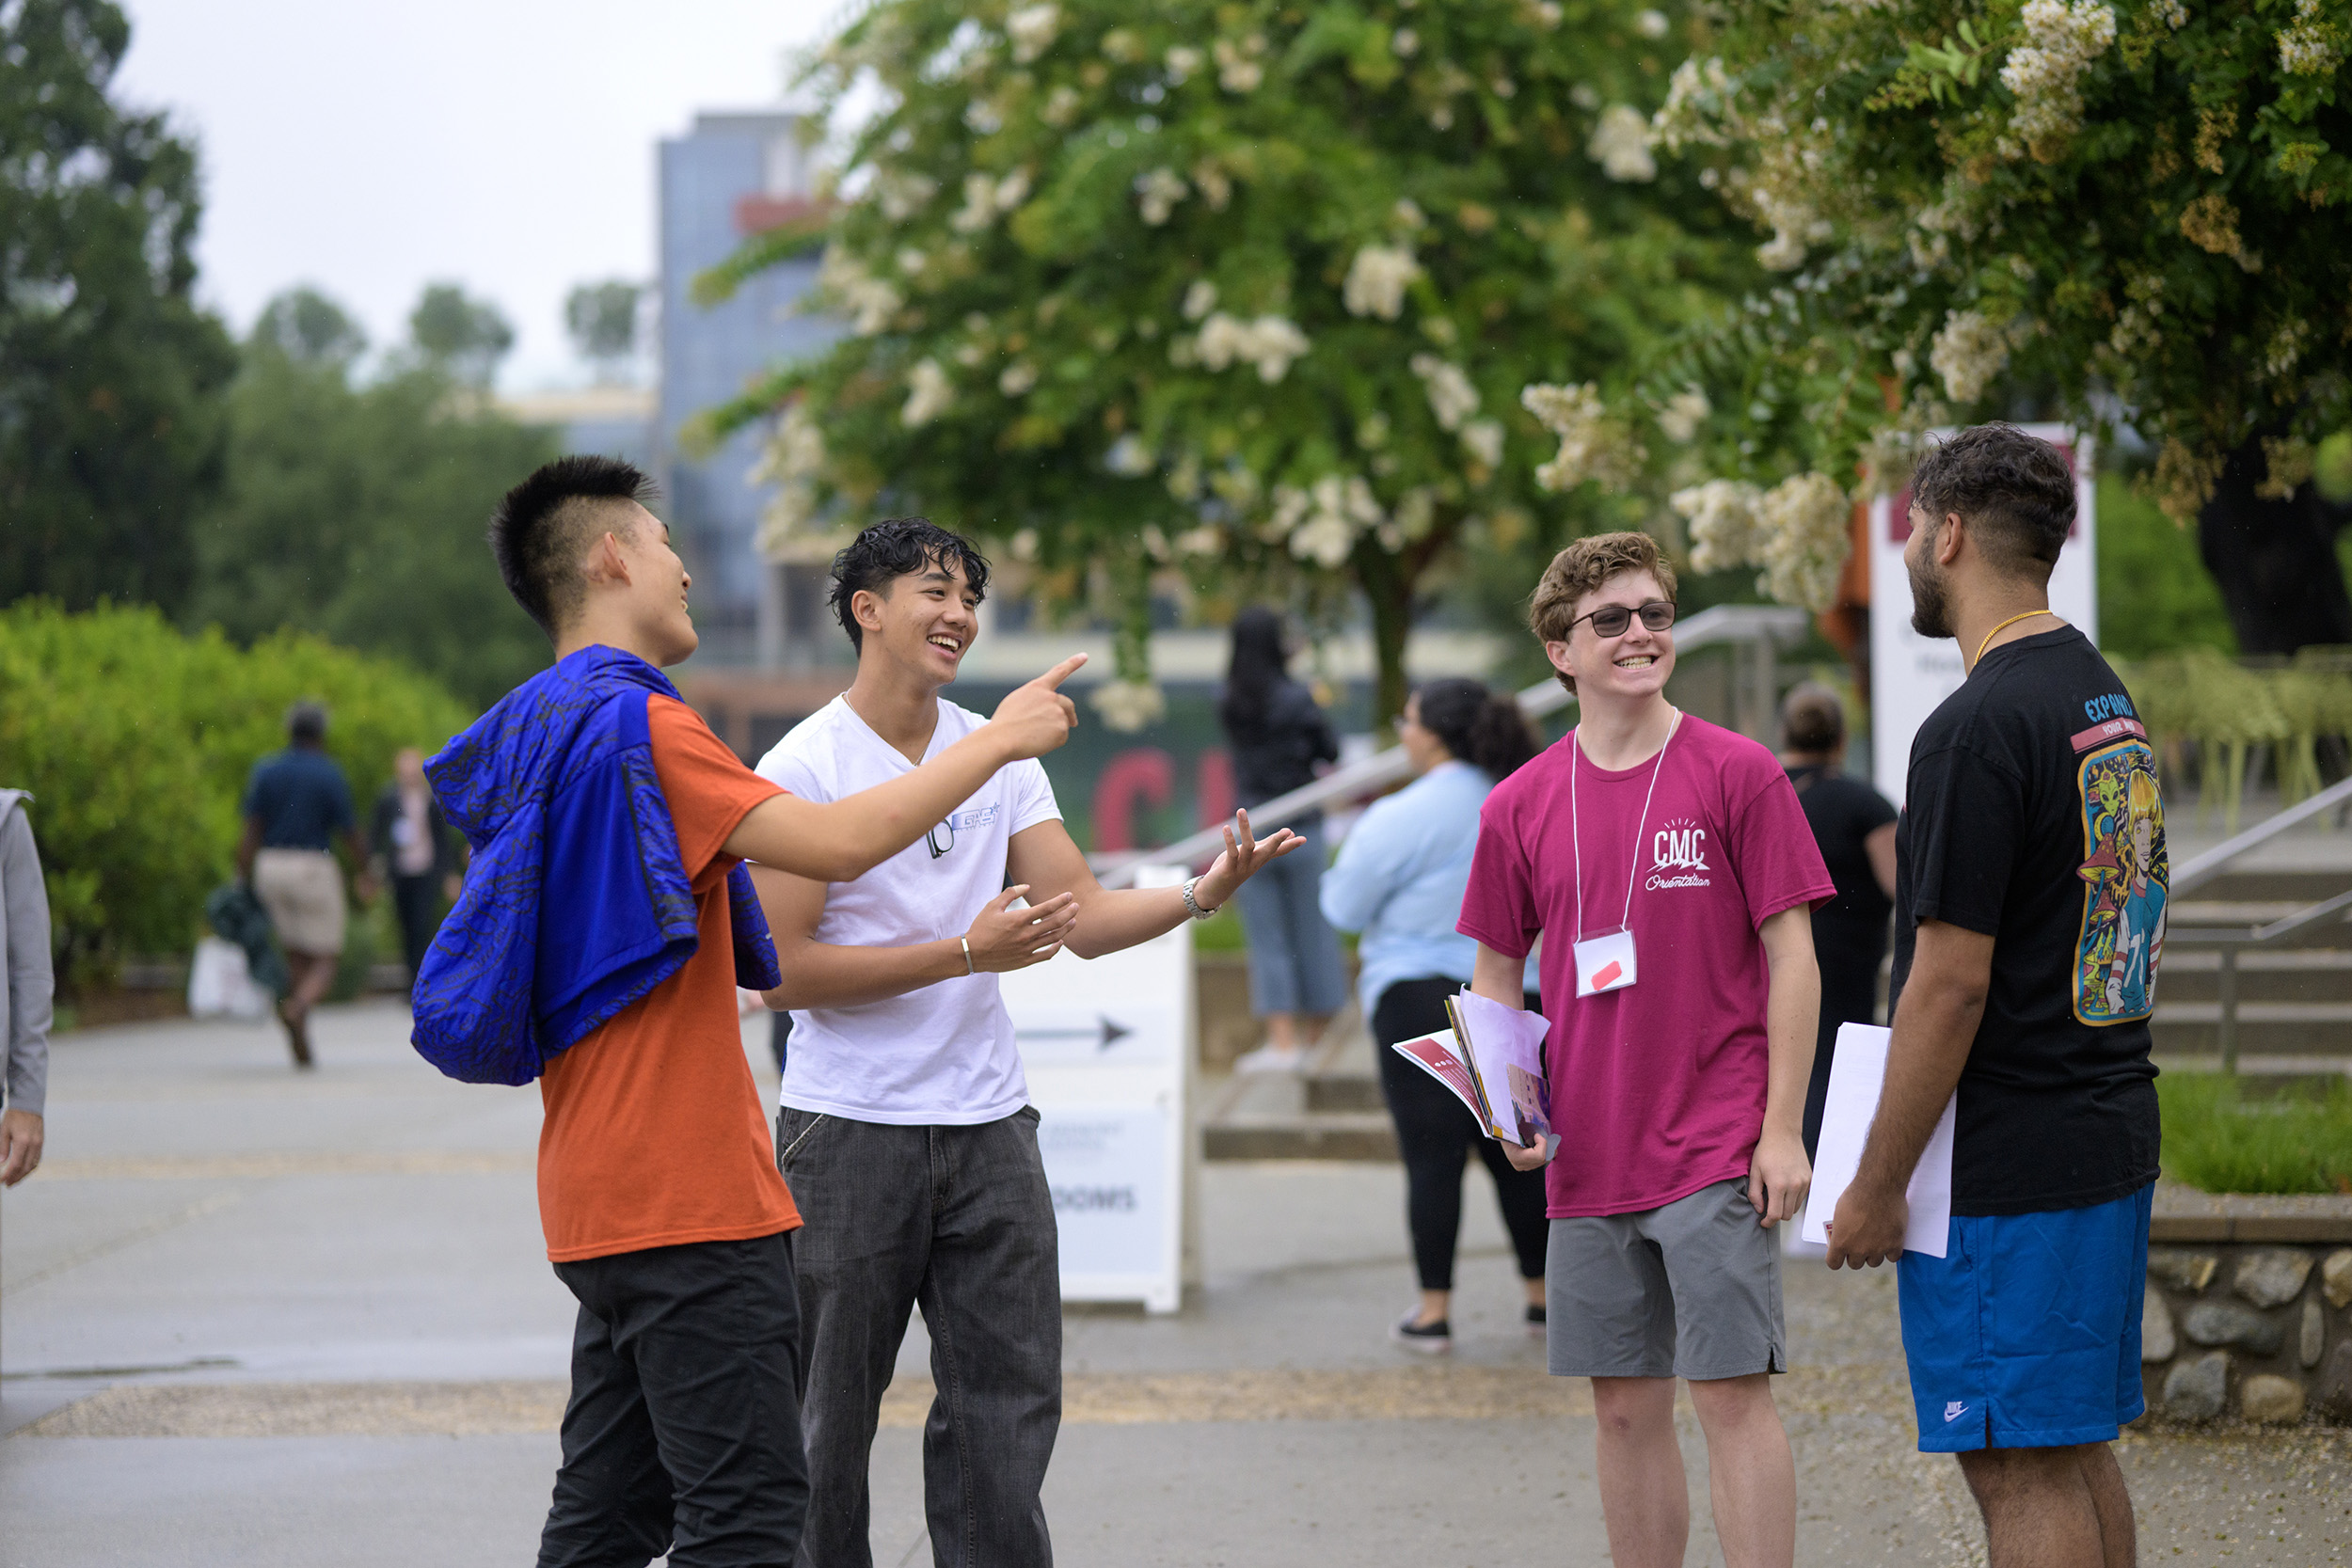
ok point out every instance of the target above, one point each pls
(733, 175)
(609, 422)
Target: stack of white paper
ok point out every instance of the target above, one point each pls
(1855, 1078)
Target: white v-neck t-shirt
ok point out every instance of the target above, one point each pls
(943, 1055)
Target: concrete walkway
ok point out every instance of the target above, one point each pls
(252, 1317)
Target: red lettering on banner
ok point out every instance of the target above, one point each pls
(1142, 774)
(1214, 789)
(2114, 729)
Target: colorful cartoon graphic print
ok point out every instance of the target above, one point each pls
(2126, 875)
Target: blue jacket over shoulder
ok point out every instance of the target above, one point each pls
(576, 904)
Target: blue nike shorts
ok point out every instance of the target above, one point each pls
(2025, 1333)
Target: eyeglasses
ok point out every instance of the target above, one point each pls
(1611, 620)
(931, 838)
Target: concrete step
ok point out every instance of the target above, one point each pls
(2263, 975)
(1306, 1135)
(2264, 1028)
(1346, 1091)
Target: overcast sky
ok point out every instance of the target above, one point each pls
(507, 145)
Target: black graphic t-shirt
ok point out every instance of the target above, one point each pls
(2034, 817)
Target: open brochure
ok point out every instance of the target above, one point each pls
(1856, 1075)
(1492, 1060)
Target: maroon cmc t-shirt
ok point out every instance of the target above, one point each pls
(1657, 1088)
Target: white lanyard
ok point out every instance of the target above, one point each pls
(1641, 825)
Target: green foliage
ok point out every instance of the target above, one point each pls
(2141, 214)
(2154, 593)
(602, 320)
(109, 372)
(356, 513)
(136, 741)
(309, 329)
(464, 338)
(2220, 1139)
(1235, 298)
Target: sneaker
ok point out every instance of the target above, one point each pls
(1535, 1327)
(1273, 1058)
(1427, 1338)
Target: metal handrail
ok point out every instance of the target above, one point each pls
(1743, 623)
(2204, 867)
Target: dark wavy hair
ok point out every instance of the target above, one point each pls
(897, 547)
(540, 526)
(1812, 719)
(1259, 666)
(1481, 727)
(2015, 490)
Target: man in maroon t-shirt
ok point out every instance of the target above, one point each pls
(1667, 866)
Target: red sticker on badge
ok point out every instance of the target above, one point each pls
(1606, 975)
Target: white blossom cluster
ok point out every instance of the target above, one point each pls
(1016, 379)
(1239, 66)
(1797, 531)
(1200, 299)
(1722, 522)
(2310, 46)
(2286, 348)
(1593, 446)
(986, 199)
(870, 301)
(2045, 72)
(1181, 62)
(1482, 440)
(1323, 522)
(1970, 350)
(902, 195)
(1805, 539)
(1128, 706)
(929, 393)
(1683, 414)
(1376, 281)
(1652, 25)
(1157, 192)
(1451, 398)
(1269, 343)
(1621, 141)
(1698, 96)
(1032, 30)
(793, 457)
(1129, 457)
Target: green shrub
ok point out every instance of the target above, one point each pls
(136, 741)
(2221, 1137)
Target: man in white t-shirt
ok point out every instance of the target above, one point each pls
(905, 1129)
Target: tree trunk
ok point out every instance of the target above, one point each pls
(1388, 584)
(2274, 560)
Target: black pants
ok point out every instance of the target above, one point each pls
(1434, 1132)
(683, 1433)
(1850, 994)
(416, 900)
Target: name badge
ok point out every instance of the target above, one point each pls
(1604, 963)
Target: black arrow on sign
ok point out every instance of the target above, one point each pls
(1107, 1033)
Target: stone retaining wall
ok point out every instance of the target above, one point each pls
(2249, 1309)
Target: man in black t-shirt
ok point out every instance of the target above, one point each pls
(2029, 922)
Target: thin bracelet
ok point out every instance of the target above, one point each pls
(968, 969)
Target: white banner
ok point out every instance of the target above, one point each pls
(1107, 1046)
(1910, 674)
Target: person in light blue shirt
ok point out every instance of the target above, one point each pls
(1399, 881)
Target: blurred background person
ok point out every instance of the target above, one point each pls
(1298, 979)
(417, 851)
(24, 909)
(1854, 826)
(1399, 880)
(296, 802)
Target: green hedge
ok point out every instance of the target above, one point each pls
(135, 740)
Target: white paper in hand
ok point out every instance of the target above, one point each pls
(1855, 1078)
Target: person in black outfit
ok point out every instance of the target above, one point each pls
(1298, 979)
(1855, 825)
(418, 851)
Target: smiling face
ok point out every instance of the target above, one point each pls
(923, 621)
(656, 586)
(1629, 667)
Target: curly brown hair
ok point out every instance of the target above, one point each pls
(1584, 566)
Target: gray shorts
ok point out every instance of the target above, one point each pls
(1689, 1291)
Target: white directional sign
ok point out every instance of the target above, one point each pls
(1909, 674)
(1108, 1045)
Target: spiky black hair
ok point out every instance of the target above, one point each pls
(540, 526)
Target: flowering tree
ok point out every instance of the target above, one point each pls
(1236, 292)
(2134, 212)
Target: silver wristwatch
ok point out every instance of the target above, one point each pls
(1192, 905)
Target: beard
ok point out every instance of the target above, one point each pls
(1930, 608)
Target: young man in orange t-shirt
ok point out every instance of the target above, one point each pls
(658, 1185)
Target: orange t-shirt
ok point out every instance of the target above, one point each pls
(654, 1133)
